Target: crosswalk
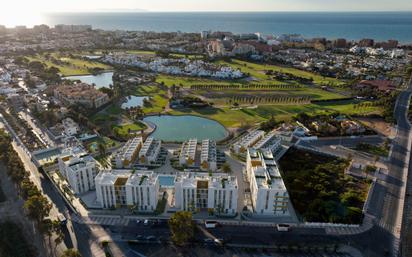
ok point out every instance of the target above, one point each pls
(393, 229)
(367, 224)
(102, 220)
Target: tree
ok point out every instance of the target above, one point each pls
(182, 227)
(71, 253)
(38, 207)
(102, 149)
(226, 168)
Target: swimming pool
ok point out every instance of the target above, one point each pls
(167, 181)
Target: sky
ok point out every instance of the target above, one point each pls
(36, 6)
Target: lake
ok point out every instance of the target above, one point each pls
(133, 101)
(100, 80)
(181, 128)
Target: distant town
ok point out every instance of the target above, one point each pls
(123, 142)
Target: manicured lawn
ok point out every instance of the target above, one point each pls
(235, 118)
(169, 80)
(123, 130)
(74, 66)
(258, 71)
(141, 52)
(158, 98)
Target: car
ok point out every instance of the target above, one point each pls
(218, 241)
(150, 238)
(138, 221)
(208, 240)
(146, 222)
(139, 237)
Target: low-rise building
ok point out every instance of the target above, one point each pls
(208, 155)
(71, 128)
(247, 141)
(81, 93)
(269, 195)
(270, 141)
(199, 192)
(121, 188)
(79, 168)
(352, 127)
(188, 153)
(126, 155)
(150, 151)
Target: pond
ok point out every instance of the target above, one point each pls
(133, 101)
(166, 181)
(181, 128)
(100, 80)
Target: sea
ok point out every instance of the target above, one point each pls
(349, 25)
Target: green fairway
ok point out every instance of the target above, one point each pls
(125, 129)
(68, 66)
(234, 118)
(158, 98)
(259, 71)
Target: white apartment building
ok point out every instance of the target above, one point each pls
(126, 155)
(79, 168)
(150, 151)
(270, 142)
(188, 153)
(70, 127)
(120, 188)
(247, 141)
(208, 156)
(195, 192)
(268, 192)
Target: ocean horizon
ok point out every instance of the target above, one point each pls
(350, 25)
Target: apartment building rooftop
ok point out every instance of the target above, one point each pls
(268, 140)
(208, 152)
(196, 180)
(126, 178)
(266, 170)
(76, 158)
(249, 140)
(149, 147)
(80, 90)
(128, 151)
(188, 150)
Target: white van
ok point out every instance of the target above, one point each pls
(283, 227)
(211, 224)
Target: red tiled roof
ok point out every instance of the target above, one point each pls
(383, 85)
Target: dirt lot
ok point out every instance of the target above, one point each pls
(380, 126)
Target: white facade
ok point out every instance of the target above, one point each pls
(150, 151)
(208, 155)
(128, 153)
(79, 168)
(119, 188)
(268, 192)
(247, 141)
(70, 127)
(188, 153)
(197, 192)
